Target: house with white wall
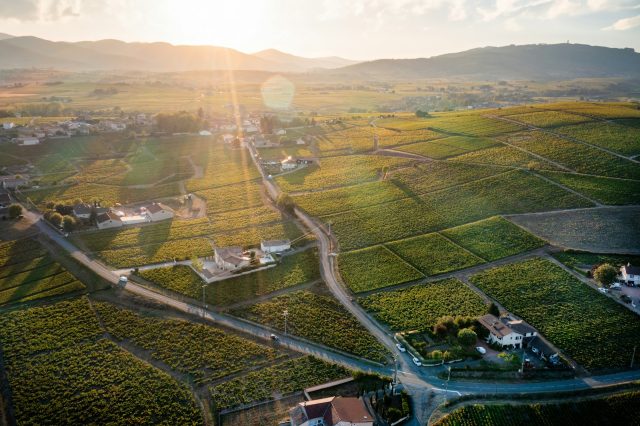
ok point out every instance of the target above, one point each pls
(230, 258)
(506, 332)
(630, 274)
(331, 411)
(157, 212)
(108, 220)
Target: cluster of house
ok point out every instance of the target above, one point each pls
(108, 218)
(332, 411)
(234, 257)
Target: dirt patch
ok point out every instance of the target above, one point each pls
(600, 230)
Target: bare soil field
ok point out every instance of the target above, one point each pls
(600, 230)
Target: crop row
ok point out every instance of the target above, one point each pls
(504, 155)
(470, 124)
(284, 378)
(419, 307)
(157, 253)
(606, 190)
(319, 318)
(621, 409)
(625, 140)
(565, 311)
(202, 351)
(448, 147)
(549, 118)
(237, 196)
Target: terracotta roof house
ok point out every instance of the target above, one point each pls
(230, 258)
(506, 332)
(332, 411)
(157, 212)
(108, 220)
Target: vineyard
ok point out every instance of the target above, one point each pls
(373, 268)
(549, 118)
(493, 238)
(433, 254)
(203, 352)
(419, 307)
(448, 147)
(281, 379)
(28, 273)
(469, 124)
(319, 318)
(620, 409)
(62, 372)
(605, 190)
(504, 156)
(565, 311)
(624, 140)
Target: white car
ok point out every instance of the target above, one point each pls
(123, 280)
(481, 350)
(616, 286)
(602, 290)
(416, 361)
(400, 347)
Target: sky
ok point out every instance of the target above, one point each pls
(356, 29)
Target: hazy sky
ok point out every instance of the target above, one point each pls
(359, 29)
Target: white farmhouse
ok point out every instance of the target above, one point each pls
(83, 210)
(288, 164)
(108, 220)
(204, 133)
(29, 140)
(7, 126)
(230, 258)
(332, 411)
(275, 246)
(157, 211)
(630, 274)
(504, 332)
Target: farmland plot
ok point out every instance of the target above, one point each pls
(621, 139)
(577, 157)
(606, 190)
(338, 171)
(493, 238)
(317, 317)
(433, 254)
(171, 341)
(156, 253)
(504, 155)
(419, 307)
(470, 124)
(374, 267)
(231, 197)
(61, 371)
(448, 147)
(549, 118)
(573, 316)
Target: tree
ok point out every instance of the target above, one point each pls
(467, 337)
(196, 263)
(285, 202)
(68, 223)
(605, 274)
(421, 114)
(493, 309)
(56, 219)
(15, 210)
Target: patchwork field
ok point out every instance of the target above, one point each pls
(27, 272)
(605, 190)
(621, 139)
(448, 147)
(591, 328)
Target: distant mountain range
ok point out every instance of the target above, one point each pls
(535, 61)
(28, 52)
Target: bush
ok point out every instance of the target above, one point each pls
(467, 337)
(15, 210)
(605, 274)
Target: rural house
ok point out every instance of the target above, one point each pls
(230, 258)
(7, 126)
(505, 332)
(275, 246)
(332, 411)
(288, 164)
(630, 274)
(108, 220)
(12, 182)
(83, 210)
(157, 211)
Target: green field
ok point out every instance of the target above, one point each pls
(549, 118)
(419, 307)
(448, 147)
(28, 273)
(605, 190)
(319, 318)
(62, 371)
(493, 238)
(621, 139)
(373, 268)
(620, 409)
(565, 311)
(281, 379)
(433, 254)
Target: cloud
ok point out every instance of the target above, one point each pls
(625, 24)
(39, 10)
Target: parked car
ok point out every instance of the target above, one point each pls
(123, 280)
(602, 290)
(416, 361)
(273, 337)
(535, 350)
(400, 347)
(481, 350)
(616, 286)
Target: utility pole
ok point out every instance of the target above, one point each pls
(285, 314)
(633, 357)
(395, 372)
(446, 390)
